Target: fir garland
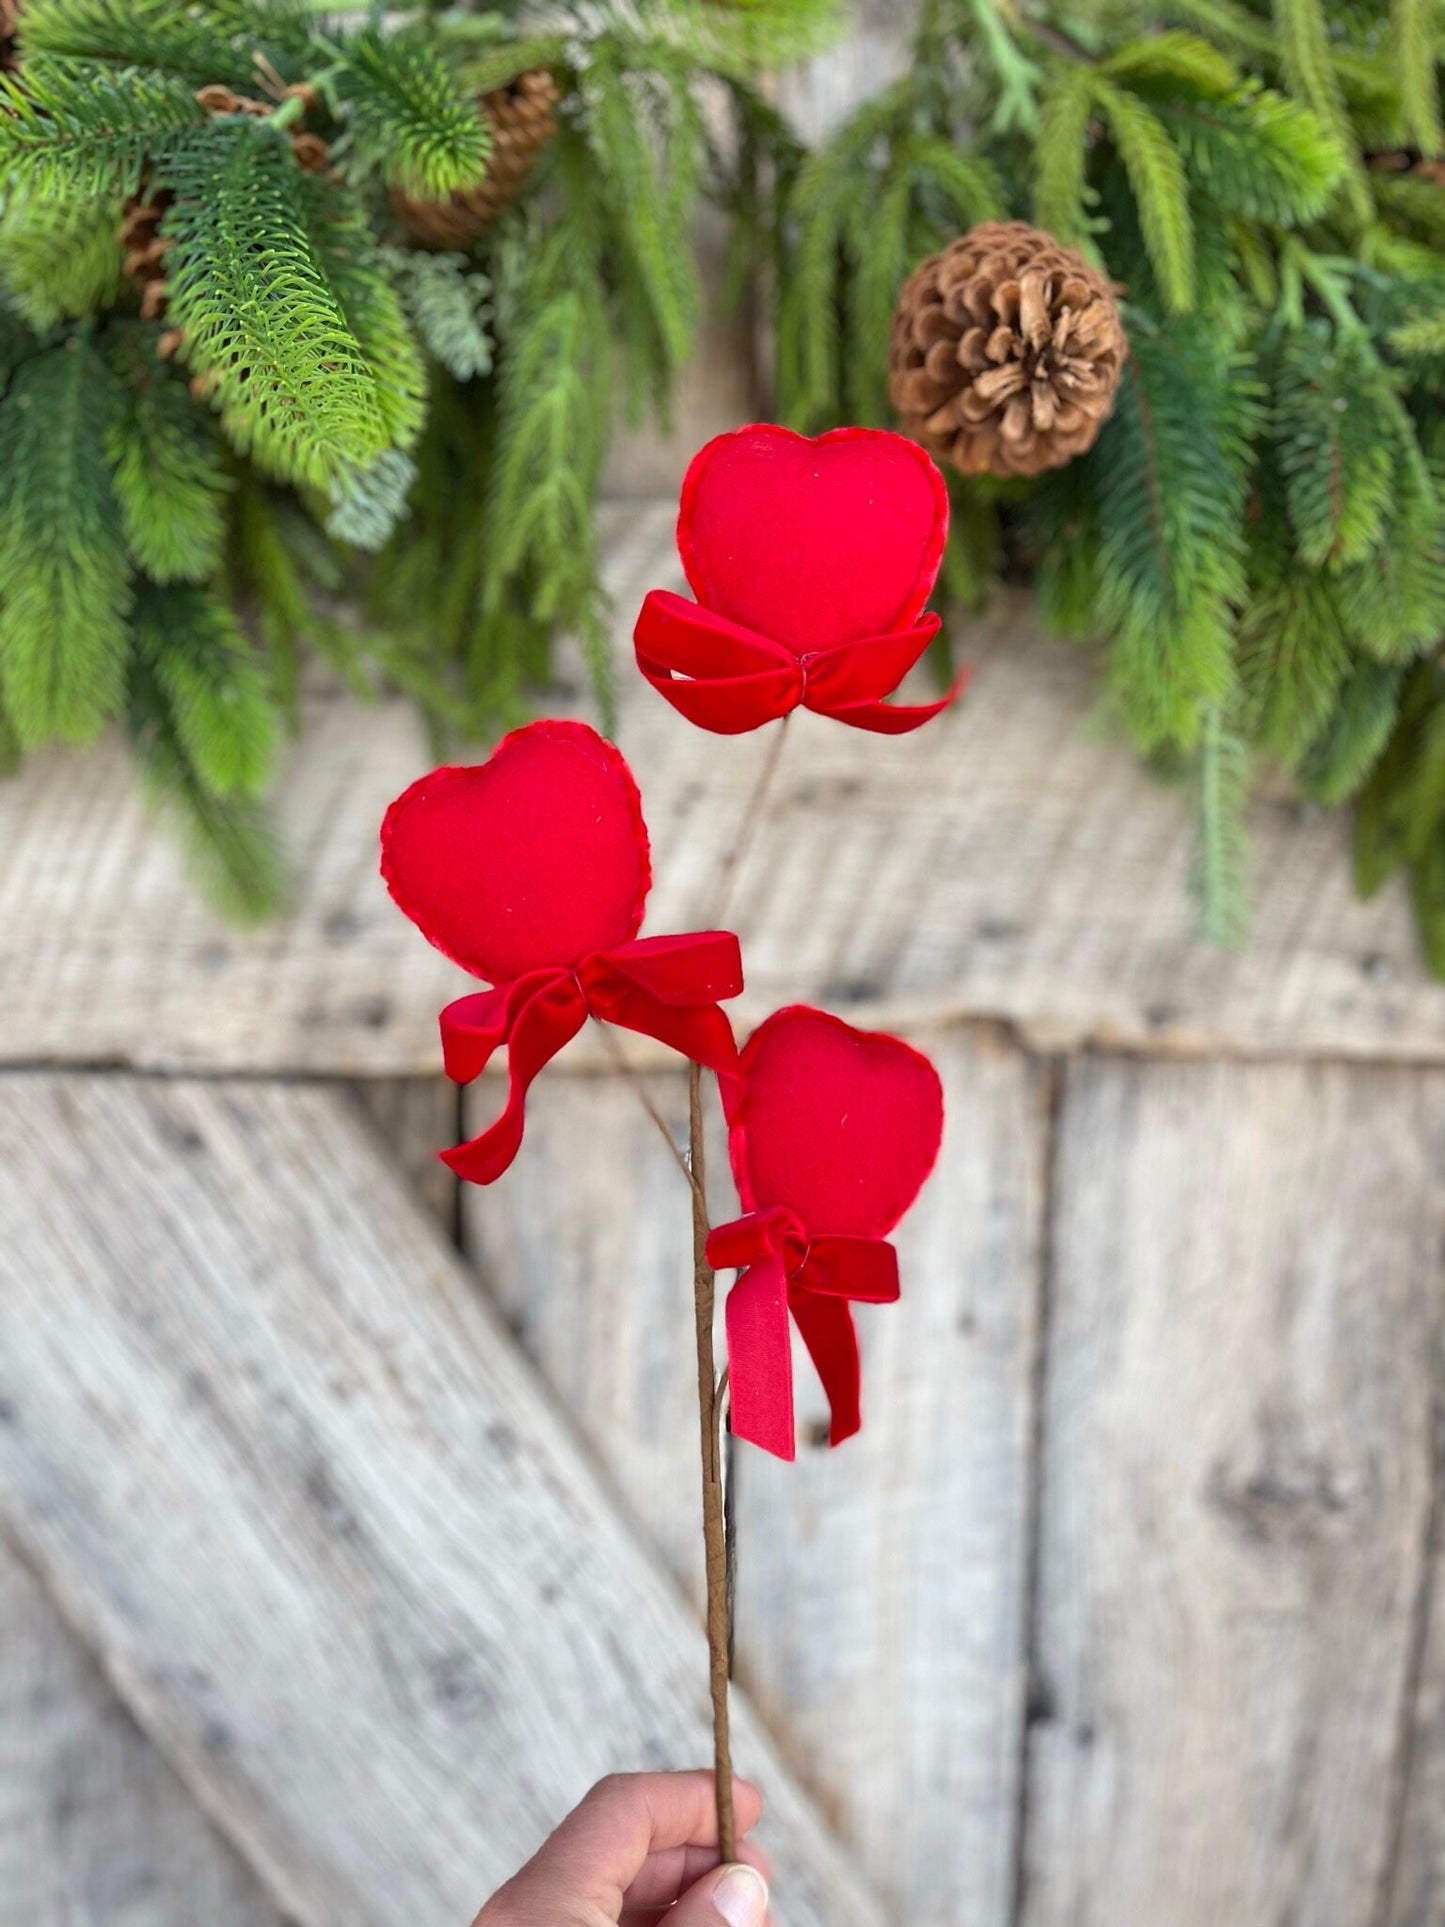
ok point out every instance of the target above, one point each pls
(272, 400)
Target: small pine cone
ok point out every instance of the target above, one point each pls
(522, 120)
(145, 248)
(9, 23)
(312, 153)
(1006, 352)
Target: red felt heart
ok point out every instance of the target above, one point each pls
(840, 1125)
(536, 857)
(813, 542)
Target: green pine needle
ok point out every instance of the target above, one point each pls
(166, 461)
(254, 291)
(1219, 862)
(412, 119)
(216, 694)
(1161, 190)
(1415, 26)
(79, 130)
(60, 259)
(64, 573)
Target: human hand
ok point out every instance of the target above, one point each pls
(638, 1843)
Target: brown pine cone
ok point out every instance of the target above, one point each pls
(523, 120)
(145, 248)
(9, 22)
(1006, 351)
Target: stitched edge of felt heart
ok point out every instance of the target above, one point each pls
(931, 557)
(737, 1136)
(557, 728)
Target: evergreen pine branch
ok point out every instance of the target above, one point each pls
(496, 66)
(18, 340)
(1061, 156)
(1421, 339)
(411, 117)
(262, 321)
(1174, 56)
(78, 130)
(166, 467)
(60, 259)
(1305, 53)
(1160, 189)
(449, 303)
(1256, 153)
(368, 503)
(219, 706)
(163, 34)
(1168, 474)
(1294, 654)
(356, 272)
(1331, 425)
(65, 589)
(1219, 864)
(1415, 25)
(1347, 747)
(230, 845)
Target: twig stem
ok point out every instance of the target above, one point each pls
(713, 1530)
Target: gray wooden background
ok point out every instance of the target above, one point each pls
(348, 1526)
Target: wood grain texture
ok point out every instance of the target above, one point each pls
(284, 1470)
(413, 1118)
(1010, 862)
(881, 1613)
(1416, 1891)
(1238, 1432)
(95, 1828)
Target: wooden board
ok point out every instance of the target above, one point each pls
(1238, 1472)
(881, 1611)
(1416, 1887)
(1011, 861)
(95, 1828)
(282, 1468)
(412, 1119)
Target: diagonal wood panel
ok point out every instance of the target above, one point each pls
(95, 1828)
(881, 1608)
(288, 1475)
(1239, 1445)
(1011, 861)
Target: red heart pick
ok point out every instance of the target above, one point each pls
(840, 1125)
(536, 857)
(813, 542)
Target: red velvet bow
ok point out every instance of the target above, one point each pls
(783, 1271)
(531, 870)
(811, 561)
(666, 987)
(832, 1135)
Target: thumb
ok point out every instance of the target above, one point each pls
(734, 1896)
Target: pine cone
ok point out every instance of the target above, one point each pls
(1006, 352)
(9, 23)
(522, 120)
(145, 247)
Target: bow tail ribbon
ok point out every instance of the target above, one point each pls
(718, 674)
(668, 988)
(782, 1272)
(849, 683)
(535, 1016)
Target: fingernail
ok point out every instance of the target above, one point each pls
(741, 1896)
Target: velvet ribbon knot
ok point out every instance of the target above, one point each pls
(784, 1270)
(728, 678)
(664, 987)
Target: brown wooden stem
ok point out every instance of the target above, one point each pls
(713, 1530)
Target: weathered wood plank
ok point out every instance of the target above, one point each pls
(881, 1613)
(1417, 1883)
(1238, 1436)
(284, 1470)
(1008, 862)
(95, 1828)
(413, 1118)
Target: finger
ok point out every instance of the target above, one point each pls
(732, 1896)
(672, 1872)
(602, 1846)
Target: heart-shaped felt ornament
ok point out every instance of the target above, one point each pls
(811, 560)
(531, 870)
(835, 1132)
